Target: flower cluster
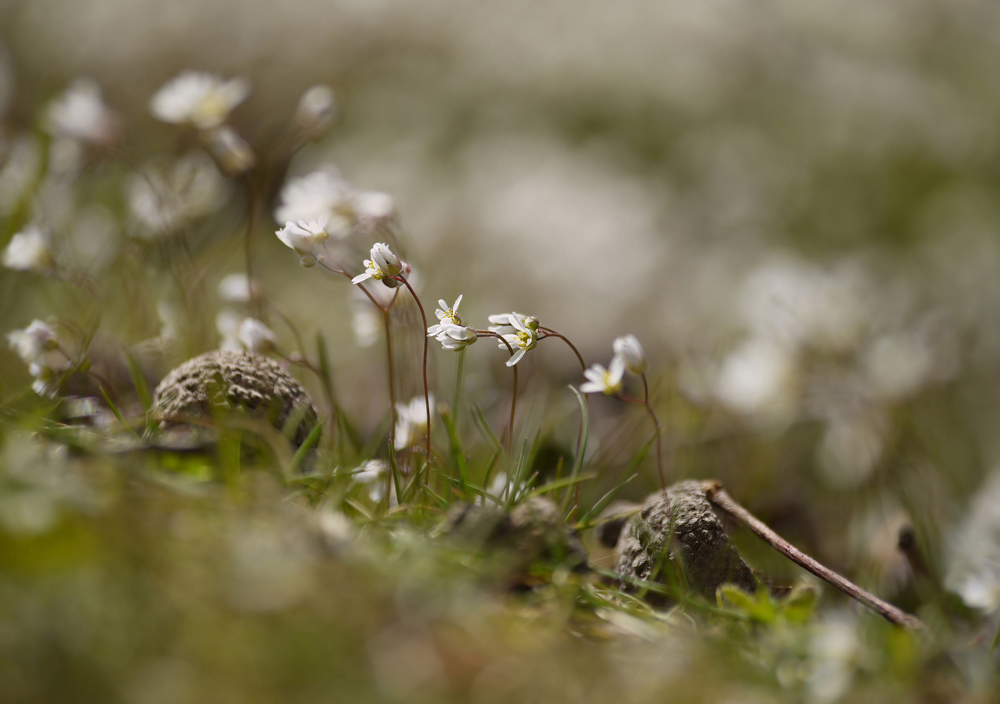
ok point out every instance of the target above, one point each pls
(451, 331)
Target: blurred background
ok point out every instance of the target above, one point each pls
(792, 204)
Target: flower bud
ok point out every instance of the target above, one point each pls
(629, 349)
(231, 152)
(316, 111)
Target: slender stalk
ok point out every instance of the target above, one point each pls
(552, 333)
(718, 496)
(427, 397)
(513, 401)
(659, 439)
(392, 383)
(459, 379)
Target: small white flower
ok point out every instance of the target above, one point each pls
(320, 195)
(384, 266)
(606, 381)
(233, 154)
(29, 251)
(38, 347)
(201, 99)
(256, 336)
(456, 337)
(237, 288)
(524, 338)
(411, 421)
(629, 349)
(316, 111)
(80, 113)
(372, 473)
(304, 237)
(446, 316)
(372, 208)
(502, 325)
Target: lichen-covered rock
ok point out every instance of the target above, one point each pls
(238, 382)
(688, 529)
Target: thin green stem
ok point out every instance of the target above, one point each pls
(427, 397)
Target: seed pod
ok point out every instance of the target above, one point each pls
(235, 382)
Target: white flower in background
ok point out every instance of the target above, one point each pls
(759, 379)
(237, 288)
(524, 338)
(21, 167)
(171, 319)
(227, 322)
(316, 111)
(973, 549)
(366, 323)
(233, 154)
(373, 474)
(80, 113)
(38, 346)
(383, 266)
(256, 336)
(836, 649)
(29, 251)
(305, 238)
(321, 195)
(851, 447)
(629, 349)
(456, 337)
(606, 381)
(411, 421)
(446, 316)
(898, 365)
(373, 208)
(162, 202)
(201, 99)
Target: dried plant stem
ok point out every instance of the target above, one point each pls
(427, 397)
(718, 496)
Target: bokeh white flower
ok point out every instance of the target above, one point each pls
(305, 238)
(320, 195)
(237, 288)
(198, 98)
(29, 250)
(163, 200)
(411, 421)
(629, 349)
(80, 113)
(257, 337)
(38, 346)
(316, 111)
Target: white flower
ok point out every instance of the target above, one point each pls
(80, 113)
(502, 325)
(447, 316)
(372, 208)
(316, 111)
(606, 381)
(411, 420)
(629, 349)
(231, 151)
(38, 346)
(256, 336)
(237, 288)
(456, 337)
(372, 473)
(201, 99)
(321, 195)
(384, 266)
(162, 202)
(29, 251)
(304, 237)
(524, 338)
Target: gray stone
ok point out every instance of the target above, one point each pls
(684, 527)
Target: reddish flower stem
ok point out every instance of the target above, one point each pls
(427, 398)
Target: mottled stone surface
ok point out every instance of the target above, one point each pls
(238, 382)
(709, 560)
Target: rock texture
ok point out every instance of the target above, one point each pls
(686, 528)
(237, 382)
